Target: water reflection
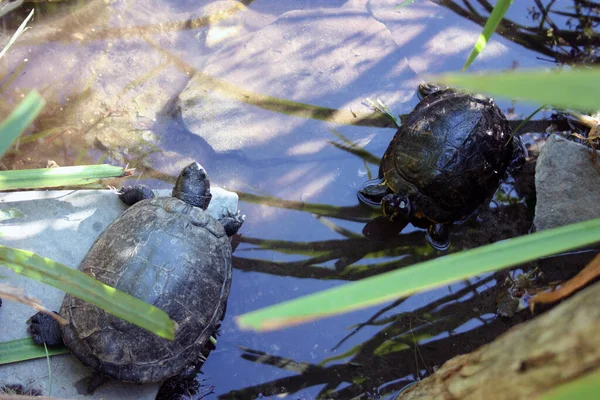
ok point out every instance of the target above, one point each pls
(564, 31)
(284, 125)
(410, 344)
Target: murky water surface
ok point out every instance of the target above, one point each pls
(269, 96)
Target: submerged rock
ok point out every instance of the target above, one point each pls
(313, 64)
(567, 184)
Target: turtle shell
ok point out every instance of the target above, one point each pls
(172, 255)
(449, 155)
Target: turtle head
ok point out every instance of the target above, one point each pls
(427, 88)
(397, 207)
(193, 186)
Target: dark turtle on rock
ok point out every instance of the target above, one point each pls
(446, 160)
(169, 252)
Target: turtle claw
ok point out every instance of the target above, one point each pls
(232, 222)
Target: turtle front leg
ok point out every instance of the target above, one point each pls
(45, 329)
(132, 194)
(437, 236)
(232, 222)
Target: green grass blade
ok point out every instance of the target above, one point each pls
(85, 287)
(423, 276)
(25, 349)
(586, 387)
(19, 119)
(405, 3)
(565, 89)
(57, 177)
(488, 30)
(49, 370)
(526, 120)
(16, 34)
(10, 214)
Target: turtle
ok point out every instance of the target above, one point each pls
(444, 162)
(168, 251)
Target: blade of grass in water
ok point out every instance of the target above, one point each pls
(423, 276)
(16, 34)
(543, 87)
(85, 287)
(488, 30)
(10, 214)
(56, 177)
(526, 120)
(405, 3)
(353, 148)
(19, 119)
(25, 349)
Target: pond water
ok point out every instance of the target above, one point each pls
(269, 96)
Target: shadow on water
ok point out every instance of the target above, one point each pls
(305, 229)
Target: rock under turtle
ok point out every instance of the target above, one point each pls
(169, 252)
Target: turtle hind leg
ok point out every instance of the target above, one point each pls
(518, 156)
(132, 194)
(232, 222)
(45, 329)
(188, 385)
(95, 381)
(179, 388)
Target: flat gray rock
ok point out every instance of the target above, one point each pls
(567, 184)
(62, 225)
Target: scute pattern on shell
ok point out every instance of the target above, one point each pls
(449, 155)
(167, 253)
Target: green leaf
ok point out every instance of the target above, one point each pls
(575, 88)
(488, 30)
(85, 287)
(25, 349)
(423, 276)
(526, 120)
(10, 214)
(405, 3)
(582, 388)
(19, 119)
(56, 177)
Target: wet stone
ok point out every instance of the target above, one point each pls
(567, 184)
